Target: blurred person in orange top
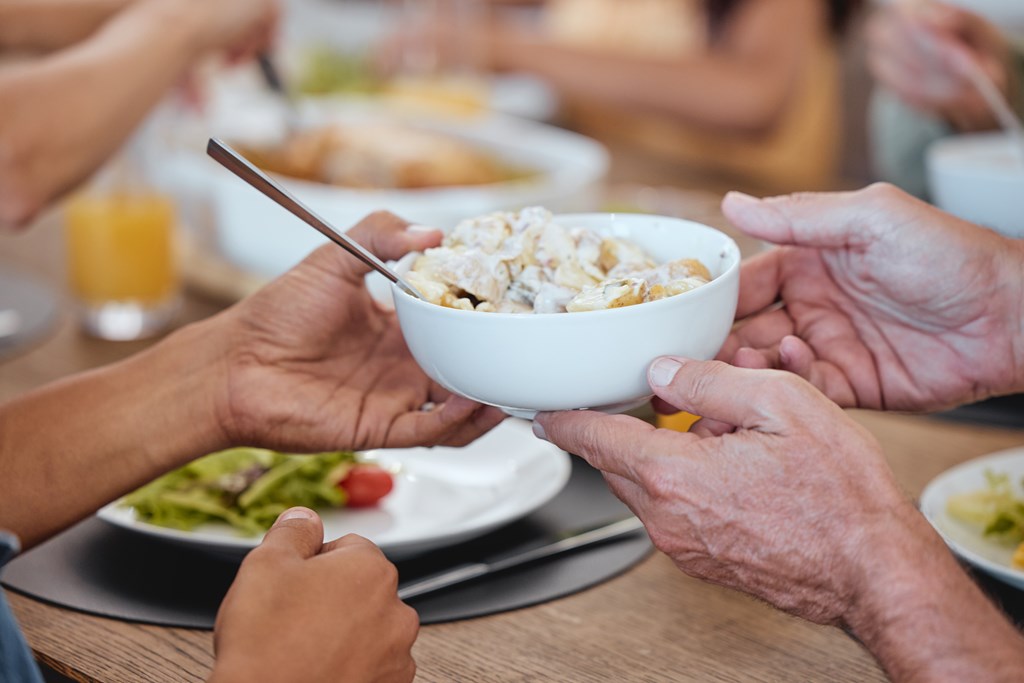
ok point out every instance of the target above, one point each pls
(922, 55)
(746, 88)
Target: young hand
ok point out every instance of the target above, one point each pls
(313, 362)
(304, 611)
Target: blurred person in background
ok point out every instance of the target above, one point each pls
(888, 304)
(748, 89)
(922, 55)
(80, 75)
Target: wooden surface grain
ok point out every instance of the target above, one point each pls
(651, 624)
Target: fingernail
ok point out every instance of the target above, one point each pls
(742, 198)
(538, 430)
(296, 513)
(663, 371)
(420, 228)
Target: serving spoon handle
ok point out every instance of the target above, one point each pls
(237, 164)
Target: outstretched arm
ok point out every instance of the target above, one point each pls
(310, 363)
(797, 507)
(46, 25)
(742, 85)
(62, 115)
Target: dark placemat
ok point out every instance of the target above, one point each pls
(99, 569)
(1007, 598)
(1002, 411)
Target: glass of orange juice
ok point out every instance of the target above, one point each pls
(121, 261)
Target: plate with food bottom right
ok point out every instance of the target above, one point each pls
(978, 509)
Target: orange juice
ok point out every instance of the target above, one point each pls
(121, 247)
(681, 422)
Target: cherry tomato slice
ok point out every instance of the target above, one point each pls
(366, 484)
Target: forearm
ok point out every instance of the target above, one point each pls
(51, 24)
(718, 92)
(62, 116)
(1009, 292)
(923, 618)
(73, 446)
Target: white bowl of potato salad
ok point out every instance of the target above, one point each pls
(532, 312)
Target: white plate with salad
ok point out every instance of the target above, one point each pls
(978, 509)
(440, 496)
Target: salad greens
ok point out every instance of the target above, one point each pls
(326, 71)
(245, 487)
(997, 509)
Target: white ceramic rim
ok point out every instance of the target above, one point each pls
(933, 507)
(944, 157)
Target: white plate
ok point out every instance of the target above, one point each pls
(965, 540)
(441, 496)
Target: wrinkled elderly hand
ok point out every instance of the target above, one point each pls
(888, 302)
(797, 507)
(782, 508)
(314, 363)
(304, 611)
(926, 54)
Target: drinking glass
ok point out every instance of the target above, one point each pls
(120, 237)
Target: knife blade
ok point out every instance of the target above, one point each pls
(475, 570)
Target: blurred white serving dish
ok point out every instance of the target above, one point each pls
(525, 363)
(264, 239)
(980, 178)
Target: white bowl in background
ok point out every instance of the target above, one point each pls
(262, 237)
(980, 178)
(526, 363)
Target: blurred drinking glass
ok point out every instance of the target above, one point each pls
(120, 242)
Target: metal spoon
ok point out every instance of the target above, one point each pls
(234, 162)
(272, 77)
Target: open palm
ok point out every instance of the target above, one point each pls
(886, 301)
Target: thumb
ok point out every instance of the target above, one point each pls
(383, 234)
(750, 399)
(822, 220)
(298, 531)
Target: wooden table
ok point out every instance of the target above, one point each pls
(651, 624)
